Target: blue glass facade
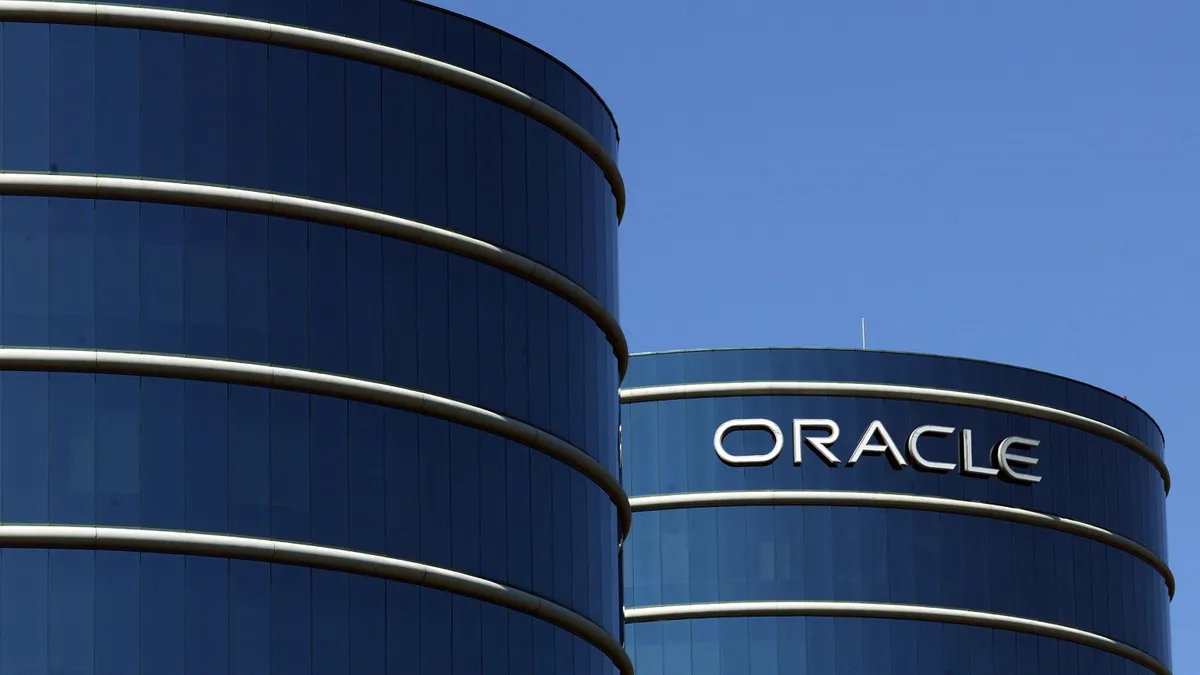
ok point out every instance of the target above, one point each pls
(86, 446)
(808, 537)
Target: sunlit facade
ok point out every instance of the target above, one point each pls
(842, 511)
(309, 355)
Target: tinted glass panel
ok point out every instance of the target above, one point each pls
(845, 645)
(177, 454)
(846, 553)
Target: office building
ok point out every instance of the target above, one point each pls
(309, 359)
(309, 363)
(843, 511)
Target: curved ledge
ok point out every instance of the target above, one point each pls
(896, 391)
(251, 30)
(322, 384)
(329, 213)
(323, 557)
(873, 610)
(884, 500)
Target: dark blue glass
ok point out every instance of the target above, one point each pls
(206, 610)
(72, 114)
(228, 281)
(855, 553)
(846, 645)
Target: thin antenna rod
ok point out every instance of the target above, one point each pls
(864, 332)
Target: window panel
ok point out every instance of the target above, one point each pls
(25, 320)
(251, 620)
(205, 282)
(327, 298)
(367, 625)
(495, 649)
(249, 461)
(399, 306)
(537, 198)
(433, 464)
(249, 123)
(72, 448)
(403, 635)
(118, 466)
(24, 614)
(464, 357)
(290, 462)
(364, 305)
(330, 622)
(206, 615)
(327, 130)
(25, 85)
(460, 41)
(161, 292)
(541, 525)
(72, 273)
(249, 286)
(565, 573)
(205, 108)
(23, 447)
(519, 534)
(288, 138)
(118, 76)
(399, 143)
(432, 319)
(163, 459)
(326, 15)
(402, 498)
(163, 113)
(435, 631)
(162, 613)
(466, 506)
(206, 457)
(367, 485)
(291, 635)
(70, 612)
(589, 234)
(72, 104)
(364, 131)
(329, 481)
(288, 292)
(460, 162)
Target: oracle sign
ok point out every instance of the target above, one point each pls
(876, 440)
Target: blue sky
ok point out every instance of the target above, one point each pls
(1014, 181)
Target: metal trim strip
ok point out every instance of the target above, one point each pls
(886, 500)
(323, 384)
(329, 213)
(322, 557)
(896, 611)
(307, 39)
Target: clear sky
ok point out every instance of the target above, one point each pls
(1013, 181)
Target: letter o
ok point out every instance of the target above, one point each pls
(748, 460)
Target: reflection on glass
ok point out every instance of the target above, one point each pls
(78, 448)
(852, 554)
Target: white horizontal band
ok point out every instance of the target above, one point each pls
(322, 557)
(885, 500)
(251, 30)
(322, 384)
(896, 391)
(874, 610)
(329, 213)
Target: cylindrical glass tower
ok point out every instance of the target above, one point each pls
(841, 511)
(309, 358)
